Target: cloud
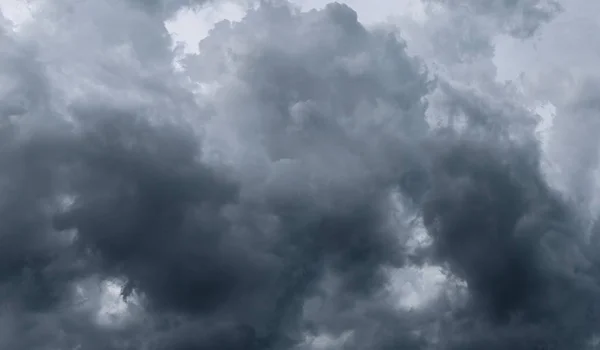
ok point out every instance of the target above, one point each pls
(520, 18)
(260, 195)
(212, 260)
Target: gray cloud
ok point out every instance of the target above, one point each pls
(520, 18)
(192, 247)
(263, 211)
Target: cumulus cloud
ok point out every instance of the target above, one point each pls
(267, 192)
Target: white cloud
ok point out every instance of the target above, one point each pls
(17, 11)
(190, 25)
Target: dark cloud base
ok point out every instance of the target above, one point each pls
(211, 258)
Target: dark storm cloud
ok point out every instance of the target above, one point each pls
(517, 244)
(113, 170)
(212, 267)
(131, 187)
(297, 117)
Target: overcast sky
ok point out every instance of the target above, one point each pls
(299, 174)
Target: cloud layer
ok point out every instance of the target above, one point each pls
(267, 192)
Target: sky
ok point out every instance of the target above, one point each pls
(299, 175)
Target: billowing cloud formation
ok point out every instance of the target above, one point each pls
(267, 191)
